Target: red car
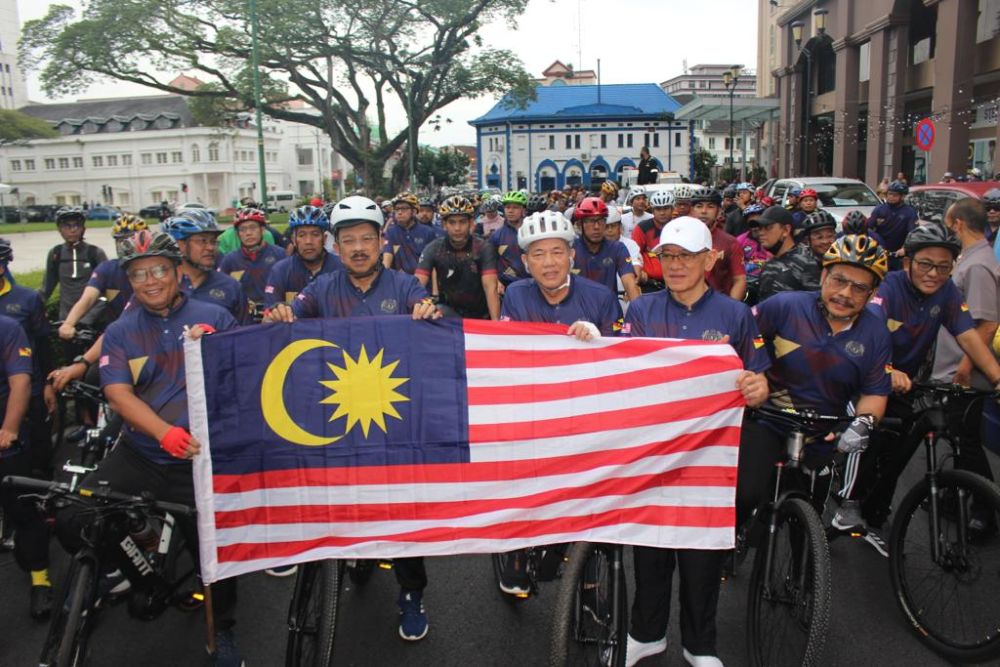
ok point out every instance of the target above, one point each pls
(931, 201)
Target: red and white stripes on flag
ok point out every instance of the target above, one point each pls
(623, 440)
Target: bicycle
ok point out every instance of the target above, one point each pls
(590, 625)
(132, 533)
(83, 339)
(97, 441)
(788, 608)
(312, 613)
(946, 580)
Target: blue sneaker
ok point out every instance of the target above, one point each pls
(412, 617)
(226, 653)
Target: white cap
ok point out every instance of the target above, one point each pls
(689, 233)
(614, 214)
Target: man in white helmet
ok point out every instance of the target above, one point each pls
(637, 200)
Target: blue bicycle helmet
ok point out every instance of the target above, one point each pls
(899, 187)
(753, 209)
(744, 186)
(189, 223)
(308, 216)
(794, 191)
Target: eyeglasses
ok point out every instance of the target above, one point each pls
(926, 266)
(139, 276)
(352, 241)
(400, 209)
(993, 208)
(839, 282)
(685, 258)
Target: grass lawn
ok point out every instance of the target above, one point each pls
(31, 279)
(277, 219)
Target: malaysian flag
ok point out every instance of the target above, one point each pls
(384, 437)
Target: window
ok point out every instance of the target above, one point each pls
(569, 141)
(161, 158)
(645, 139)
(177, 156)
(656, 139)
(629, 140)
(195, 154)
(157, 195)
(64, 163)
(595, 141)
(604, 141)
(711, 143)
(78, 163)
(50, 163)
(29, 165)
(677, 139)
(147, 159)
(112, 160)
(576, 141)
(864, 61)
(97, 160)
(126, 159)
(213, 152)
(552, 142)
(988, 24)
(304, 156)
(15, 165)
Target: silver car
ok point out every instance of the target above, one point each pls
(836, 195)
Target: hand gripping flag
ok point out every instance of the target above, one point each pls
(384, 437)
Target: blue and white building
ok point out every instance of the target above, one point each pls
(572, 135)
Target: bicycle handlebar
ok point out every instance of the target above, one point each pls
(102, 494)
(801, 418)
(951, 389)
(88, 391)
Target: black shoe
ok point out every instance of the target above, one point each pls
(41, 602)
(514, 580)
(226, 653)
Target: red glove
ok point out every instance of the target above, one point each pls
(176, 442)
(207, 328)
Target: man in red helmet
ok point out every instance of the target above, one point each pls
(597, 258)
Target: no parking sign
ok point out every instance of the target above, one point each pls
(924, 134)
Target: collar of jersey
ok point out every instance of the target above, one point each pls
(170, 311)
(696, 305)
(7, 286)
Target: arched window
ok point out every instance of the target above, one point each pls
(195, 153)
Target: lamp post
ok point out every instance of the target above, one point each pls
(819, 21)
(255, 55)
(729, 79)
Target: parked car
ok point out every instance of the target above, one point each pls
(42, 212)
(193, 205)
(837, 196)
(103, 213)
(151, 211)
(12, 214)
(931, 201)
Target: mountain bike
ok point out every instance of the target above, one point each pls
(788, 606)
(134, 534)
(590, 619)
(945, 576)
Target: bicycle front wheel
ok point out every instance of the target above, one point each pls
(312, 616)
(69, 630)
(589, 626)
(951, 598)
(789, 598)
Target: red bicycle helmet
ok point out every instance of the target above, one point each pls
(589, 208)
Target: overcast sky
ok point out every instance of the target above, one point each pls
(637, 41)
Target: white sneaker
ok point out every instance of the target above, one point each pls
(702, 660)
(283, 571)
(636, 650)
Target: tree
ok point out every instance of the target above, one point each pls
(441, 167)
(16, 127)
(340, 57)
(704, 161)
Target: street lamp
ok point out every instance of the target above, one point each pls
(729, 79)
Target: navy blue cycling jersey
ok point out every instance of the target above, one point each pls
(15, 357)
(611, 260)
(586, 300)
(290, 276)
(110, 279)
(222, 290)
(406, 245)
(509, 264)
(712, 317)
(814, 369)
(334, 295)
(25, 307)
(893, 223)
(251, 269)
(913, 319)
(146, 350)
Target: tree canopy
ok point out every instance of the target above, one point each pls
(343, 59)
(438, 167)
(16, 127)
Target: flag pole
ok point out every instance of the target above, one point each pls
(209, 619)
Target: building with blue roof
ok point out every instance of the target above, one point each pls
(580, 135)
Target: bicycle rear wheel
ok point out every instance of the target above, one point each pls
(788, 608)
(953, 601)
(312, 616)
(589, 626)
(69, 629)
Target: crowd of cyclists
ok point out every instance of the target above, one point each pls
(836, 317)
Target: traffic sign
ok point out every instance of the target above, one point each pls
(924, 134)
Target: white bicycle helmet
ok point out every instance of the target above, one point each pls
(661, 199)
(614, 215)
(355, 210)
(683, 191)
(635, 191)
(545, 225)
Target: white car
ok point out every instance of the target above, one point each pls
(836, 195)
(194, 205)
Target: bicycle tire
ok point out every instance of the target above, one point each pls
(571, 644)
(312, 615)
(798, 591)
(973, 606)
(72, 649)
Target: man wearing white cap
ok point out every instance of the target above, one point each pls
(688, 308)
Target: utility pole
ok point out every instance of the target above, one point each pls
(261, 167)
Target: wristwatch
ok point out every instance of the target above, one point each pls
(80, 359)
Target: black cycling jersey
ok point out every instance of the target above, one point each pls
(460, 273)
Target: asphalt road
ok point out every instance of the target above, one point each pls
(30, 248)
(470, 623)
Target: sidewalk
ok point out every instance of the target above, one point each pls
(30, 248)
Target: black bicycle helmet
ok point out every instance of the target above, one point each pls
(707, 195)
(148, 243)
(818, 219)
(6, 252)
(538, 203)
(855, 222)
(68, 214)
(992, 197)
(931, 235)
(858, 250)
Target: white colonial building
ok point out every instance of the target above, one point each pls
(579, 135)
(139, 151)
(13, 91)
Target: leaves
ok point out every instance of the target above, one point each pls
(16, 127)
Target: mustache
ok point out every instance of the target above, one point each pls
(360, 255)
